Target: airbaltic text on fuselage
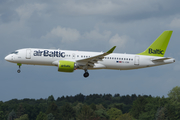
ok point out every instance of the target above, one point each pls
(47, 53)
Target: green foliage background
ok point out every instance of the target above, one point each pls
(94, 107)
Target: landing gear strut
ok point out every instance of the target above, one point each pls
(19, 64)
(86, 74)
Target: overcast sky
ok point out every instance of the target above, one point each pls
(91, 25)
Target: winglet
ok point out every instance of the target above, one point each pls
(111, 50)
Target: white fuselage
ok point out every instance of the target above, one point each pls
(115, 61)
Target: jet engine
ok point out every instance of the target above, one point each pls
(66, 66)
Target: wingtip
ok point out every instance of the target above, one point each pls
(111, 50)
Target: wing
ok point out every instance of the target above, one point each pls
(89, 62)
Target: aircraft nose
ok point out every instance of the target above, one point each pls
(7, 58)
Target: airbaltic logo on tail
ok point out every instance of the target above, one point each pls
(47, 53)
(156, 51)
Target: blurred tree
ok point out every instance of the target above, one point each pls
(41, 116)
(53, 108)
(173, 110)
(161, 114)
(138, 107)
(79, 97)
(119, 106)
(173, 106)
(67, 112)
(117, 95)
(23, 117)
(1, 106)
(12, 115)
(50, 116)
(78, 107)
(32, 111)
(107, 97)
(114, 113)
(93, 106)
(2, 117)
(50, 99)
(20, 110)
(100, 106)
(101, 113)
(86, 113)
(60, 98)
(174, 94)
(146, 116)
(125, 116)
(150, 108)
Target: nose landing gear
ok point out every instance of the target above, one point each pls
(86, 74)
(19, 64)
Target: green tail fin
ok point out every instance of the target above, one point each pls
(158, 47)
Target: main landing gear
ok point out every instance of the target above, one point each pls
(86, 74)
(19, 64)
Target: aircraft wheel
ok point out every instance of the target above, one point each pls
(86, 74)
(18, 71)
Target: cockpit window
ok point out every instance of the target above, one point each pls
(16, 52)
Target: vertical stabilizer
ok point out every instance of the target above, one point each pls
(158, 47)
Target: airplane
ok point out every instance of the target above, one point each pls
(68, 60)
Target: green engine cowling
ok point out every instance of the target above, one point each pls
(66, 66)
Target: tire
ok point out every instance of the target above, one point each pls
(86, 74)
(18, 71)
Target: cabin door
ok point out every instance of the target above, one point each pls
(28, 53)
(136, 60)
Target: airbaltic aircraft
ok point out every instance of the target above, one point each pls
(68, 61)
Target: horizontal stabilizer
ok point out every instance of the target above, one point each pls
(160, 59)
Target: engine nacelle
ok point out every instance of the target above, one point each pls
(66, 66)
